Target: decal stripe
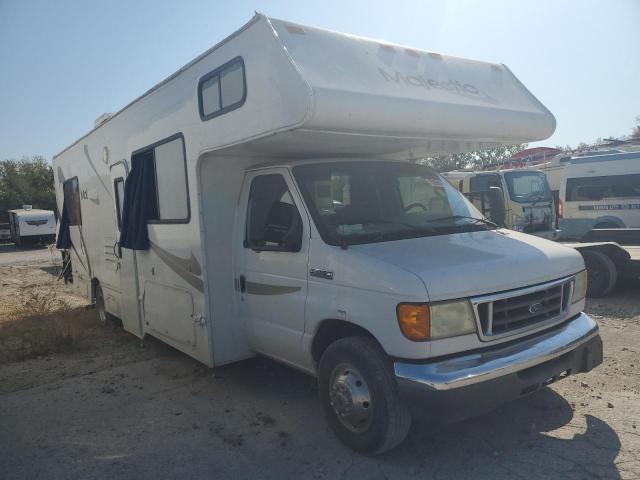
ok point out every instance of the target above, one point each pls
(185, 268)
(254, 288)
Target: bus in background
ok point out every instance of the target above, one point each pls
(599, 191)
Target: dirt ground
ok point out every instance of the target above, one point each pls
(108, 405)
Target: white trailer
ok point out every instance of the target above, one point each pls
(28, 225)
(264, 200)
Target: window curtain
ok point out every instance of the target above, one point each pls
(140, 204)
(63, 242)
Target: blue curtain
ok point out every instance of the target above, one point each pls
(63, 242)
(140, 203)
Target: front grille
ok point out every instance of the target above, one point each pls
(523, 309)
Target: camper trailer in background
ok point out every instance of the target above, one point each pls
(265, 199)
(29, 226)
(528, 201)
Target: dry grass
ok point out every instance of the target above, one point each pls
(38, 301)
(39, 323)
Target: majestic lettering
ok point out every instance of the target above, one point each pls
(452, 86)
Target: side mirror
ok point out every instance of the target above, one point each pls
(496, 205)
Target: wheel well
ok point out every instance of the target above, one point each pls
(618, 255)
(608, 223)
(331, 330)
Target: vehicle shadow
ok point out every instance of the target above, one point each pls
(513, 442)
(51, 269)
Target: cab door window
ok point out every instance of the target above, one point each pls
(273, 221)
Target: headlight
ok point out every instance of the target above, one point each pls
(419, 322)
(579, 286)
(450, 319)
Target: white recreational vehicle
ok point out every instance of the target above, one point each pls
(264, 200)
(29, 225)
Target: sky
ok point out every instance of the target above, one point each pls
(65, 62)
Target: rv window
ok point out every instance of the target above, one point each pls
(118, 188)
(171, 180)
(273, 221)
(232, 85)
(210, 91)
(71, 192)
(222, 90)
(603, 188)
(167, 181)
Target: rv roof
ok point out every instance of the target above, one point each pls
(31, 212)
(605, 157)
(354, 96)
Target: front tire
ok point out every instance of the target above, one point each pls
(359, 395)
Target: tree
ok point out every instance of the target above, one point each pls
(474, 160)
(26, 182)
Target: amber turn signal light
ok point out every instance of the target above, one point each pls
(414, 320)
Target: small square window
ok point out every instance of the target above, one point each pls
(222, 90)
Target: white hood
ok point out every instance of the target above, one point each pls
(475, 263)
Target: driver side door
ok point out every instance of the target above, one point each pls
(272, 252)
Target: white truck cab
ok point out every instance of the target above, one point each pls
(528, 200)
(268, 199)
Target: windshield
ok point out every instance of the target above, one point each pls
(365, 202)
(527, 187)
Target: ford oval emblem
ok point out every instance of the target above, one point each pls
(535, 308)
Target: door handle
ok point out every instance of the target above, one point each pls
(243, 284)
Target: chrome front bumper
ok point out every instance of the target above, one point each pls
(503, 362)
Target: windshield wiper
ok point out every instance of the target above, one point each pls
(403, 224)
(417, 228)
(475, 220)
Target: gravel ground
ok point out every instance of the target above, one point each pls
(124, 408)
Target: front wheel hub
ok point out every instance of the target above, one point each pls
(350, 398)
